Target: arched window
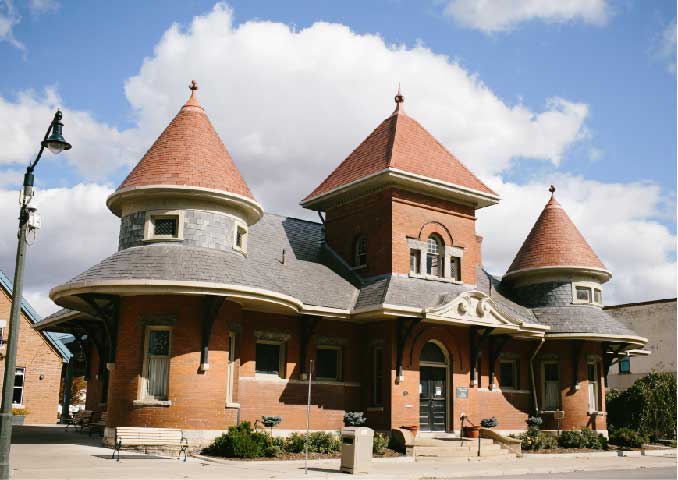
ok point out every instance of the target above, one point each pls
(434, 255)
(431, 353)
(360, 251)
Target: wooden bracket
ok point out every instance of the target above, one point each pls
(210, 309)
(405, 326)
(308, 325)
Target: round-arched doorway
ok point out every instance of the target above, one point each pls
(433, 388)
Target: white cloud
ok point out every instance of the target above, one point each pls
(77, 232)
(665, 46)
(9, 17)
(98, 149)
(617, 219)
(290, 105)
(492, 16)
(595, 154)
(38, 7)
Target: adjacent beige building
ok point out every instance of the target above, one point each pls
(655, 320)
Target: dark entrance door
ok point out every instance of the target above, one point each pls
(432, 399)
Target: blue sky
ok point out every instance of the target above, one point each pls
(613, 66)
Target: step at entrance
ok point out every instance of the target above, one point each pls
(432, 449)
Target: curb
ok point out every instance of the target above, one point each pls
(667, 452)
(315, 461)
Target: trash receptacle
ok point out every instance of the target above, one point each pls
(356, 449)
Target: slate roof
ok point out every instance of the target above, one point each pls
(35, 318)
(400, 142)
(554, 241)
(314, 274)
(306, 274)
(581, 319)
(189, 153)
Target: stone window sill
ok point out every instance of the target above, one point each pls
(162, 239)
(232, 405)
(434, 278)
(599, 414)
(152, 403)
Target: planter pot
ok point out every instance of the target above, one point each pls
(472, 432)
(412, 428)
(18, 419)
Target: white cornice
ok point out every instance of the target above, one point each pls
(598, 337)
(599, 273)
(249, 207)
(409, 181)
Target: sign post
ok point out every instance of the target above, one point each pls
(558, 415)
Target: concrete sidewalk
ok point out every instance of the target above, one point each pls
(50, 453)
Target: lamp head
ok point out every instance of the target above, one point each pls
(56, 143)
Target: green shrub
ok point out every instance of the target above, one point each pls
(584, 438)
(242, 442)
(534, 439)
(322, 442)
(648, 406)
(627, 438)
(571, 439)
(296, 443)
(380, 444)
(318, 442)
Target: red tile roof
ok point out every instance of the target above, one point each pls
(555, 241)
(400, 142)
(189, 153)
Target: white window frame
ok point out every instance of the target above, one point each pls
(149, 225)
(596, 387)
(339, 353)
(455, 273)
(600, 292)
(23, 386)
(143, 394)
(378, 350)
(543, 385)
(516, 380)
(281, 359)
(591, 287)
(242, 228)
(415, 252)
(439, 253)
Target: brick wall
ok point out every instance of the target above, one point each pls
(389, 217)
(573, 402)
(37, 356)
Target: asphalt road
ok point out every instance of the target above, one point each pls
(641, 473)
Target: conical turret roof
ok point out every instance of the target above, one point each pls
(401, 144)
(555, 241)
(189, 153)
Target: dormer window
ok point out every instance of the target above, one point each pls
(434, 264)
(584, 294)
(240, 240)
(360, 251)
(587, 292)
(164, 225)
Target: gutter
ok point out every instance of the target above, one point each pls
(534, 387)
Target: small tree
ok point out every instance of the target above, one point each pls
(648, 406)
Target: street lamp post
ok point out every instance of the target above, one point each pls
(55, 143)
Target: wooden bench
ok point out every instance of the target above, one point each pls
(79, 418)
(147, 437)
(98, 425)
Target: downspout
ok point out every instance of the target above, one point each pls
(534, 387)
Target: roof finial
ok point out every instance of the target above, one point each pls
(193, 99)
(552, 189)
(399, 99)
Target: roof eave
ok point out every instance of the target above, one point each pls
(409, 181)
(250, 207)
(602, 274)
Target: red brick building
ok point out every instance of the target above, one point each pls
(211, 311)
(39, 360)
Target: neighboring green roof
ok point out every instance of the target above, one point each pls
(34, 318)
